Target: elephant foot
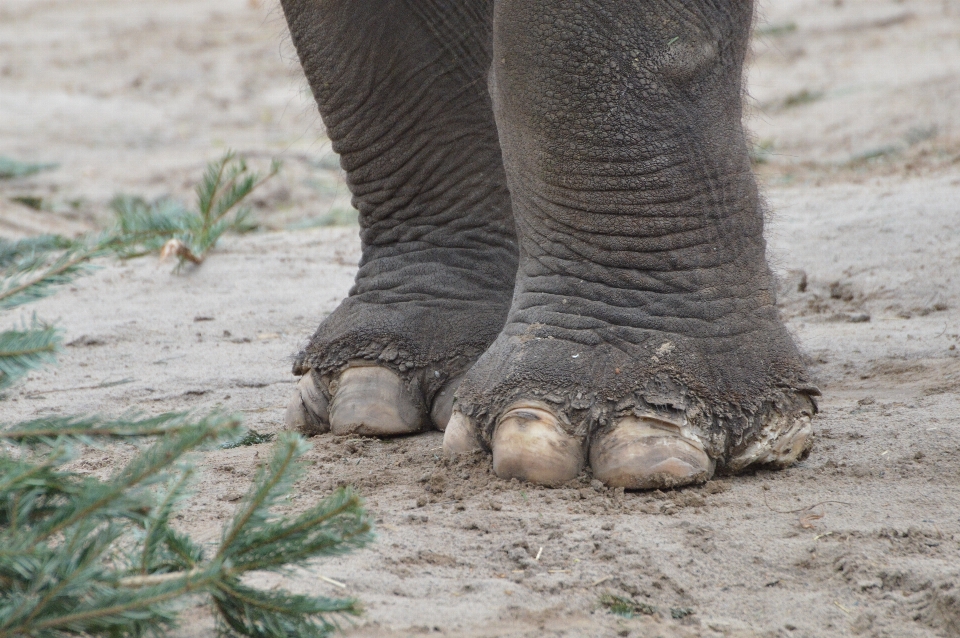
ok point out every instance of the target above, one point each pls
(366, 400)
(565, 405)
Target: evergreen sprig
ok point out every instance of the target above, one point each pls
(80, 555)
(16, 250)
(254, 541)
(51, 431)
(34, 268)
(84, 555)
(188, 235)
(36, 277)
(27, 349)
(10, 168)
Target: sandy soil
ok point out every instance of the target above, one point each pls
(853, 109)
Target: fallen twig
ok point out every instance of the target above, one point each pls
(807, 516)
(335, 583)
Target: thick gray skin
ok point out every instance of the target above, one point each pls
(402, 91)
(642, 279)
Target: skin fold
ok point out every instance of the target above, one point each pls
(620, 292)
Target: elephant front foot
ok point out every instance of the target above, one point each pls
(388, 360)
(546, 408)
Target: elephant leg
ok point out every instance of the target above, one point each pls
(643, 336)
(401, 87)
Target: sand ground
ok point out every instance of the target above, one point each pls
(853, 108)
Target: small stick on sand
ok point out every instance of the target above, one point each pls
(801, 509)
(336, 583)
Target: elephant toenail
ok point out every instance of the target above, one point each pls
(460, 436)
(373, 401)
(530, 444)
(307, 410)
(648, 453)
(783, 440)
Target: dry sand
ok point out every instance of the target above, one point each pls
(854, 111)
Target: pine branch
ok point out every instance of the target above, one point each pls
(332, 527)
(141, 227)
(110, 611)
(248, 612)
(10, 168)
(252, 437)
(30, 490)
(145, 469)
(186, 234)
(22, 351)
(53, 431)
(270, 483)
(81, 555)
(157, 529)
(63, 569)
(225, 184)
(13, 251)
(210, 184)
(20, 287)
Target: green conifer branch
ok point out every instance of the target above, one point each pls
(319, 529)
(186, 234)
(82, 582)
(210, 184)
(19, 288)
(144, 469)
(247, 612)
(90, 430)
(271, 481)
(13, 251)
(157, 523)
(24, 350)
(98, 557)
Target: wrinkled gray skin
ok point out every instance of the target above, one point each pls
(558, 194)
